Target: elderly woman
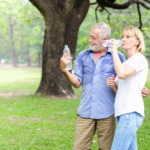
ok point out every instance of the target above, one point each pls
(130, 79)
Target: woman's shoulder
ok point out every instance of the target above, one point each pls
(137, 57)
(140, 60)
(141, 57)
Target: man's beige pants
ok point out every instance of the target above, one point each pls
(85, 130)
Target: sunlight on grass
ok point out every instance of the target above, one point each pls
(19, 80)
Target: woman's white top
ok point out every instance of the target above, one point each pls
(129, 98)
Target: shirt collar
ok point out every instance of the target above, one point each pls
(108, 50)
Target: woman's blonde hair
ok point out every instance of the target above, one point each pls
(137, 33)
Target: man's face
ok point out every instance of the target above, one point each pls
(94, 40)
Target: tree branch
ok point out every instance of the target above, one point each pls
(93, 3)
(126, 5)
(118, 6)
(144, 5)
(140, 18)
(108, 15)
(96, 13)
(147, 1)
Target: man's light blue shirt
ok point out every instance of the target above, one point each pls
(97, 99)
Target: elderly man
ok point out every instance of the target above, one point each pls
(96, 111)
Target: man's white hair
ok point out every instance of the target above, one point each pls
(104, 28)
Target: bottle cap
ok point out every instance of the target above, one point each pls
(66, 46)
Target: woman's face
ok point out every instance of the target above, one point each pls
(130, 42)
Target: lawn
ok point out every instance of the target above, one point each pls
(30, 122)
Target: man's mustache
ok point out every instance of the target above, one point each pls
(91, 44)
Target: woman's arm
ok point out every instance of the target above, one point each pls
(123, 72)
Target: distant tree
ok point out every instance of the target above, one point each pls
(21, 38)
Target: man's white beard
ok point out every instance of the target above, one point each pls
(96, 48)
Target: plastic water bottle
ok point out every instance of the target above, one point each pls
(66, 49)
(107, 44)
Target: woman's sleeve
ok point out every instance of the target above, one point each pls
(139, 63)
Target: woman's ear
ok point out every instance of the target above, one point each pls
(138, 42)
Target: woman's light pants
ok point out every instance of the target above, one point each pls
(125, 135)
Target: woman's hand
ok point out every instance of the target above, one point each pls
(111, 82)
(115, 44)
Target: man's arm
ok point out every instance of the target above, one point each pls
(64, 61)
(72, 79)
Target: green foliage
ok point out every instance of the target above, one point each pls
(28, 29)
(119, 19)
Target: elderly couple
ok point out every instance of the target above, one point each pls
(111, 85)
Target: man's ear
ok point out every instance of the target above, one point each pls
(105, 38)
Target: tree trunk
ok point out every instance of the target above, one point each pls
(28, 58)
(62, 19)
(13, 57)
(39, 59)
(13, 51)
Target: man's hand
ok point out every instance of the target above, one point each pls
(145, 92)
(111, 82)
(64, 61)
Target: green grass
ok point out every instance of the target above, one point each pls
(33, 122)
(19, 79)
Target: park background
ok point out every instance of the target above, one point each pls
(31, 121)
